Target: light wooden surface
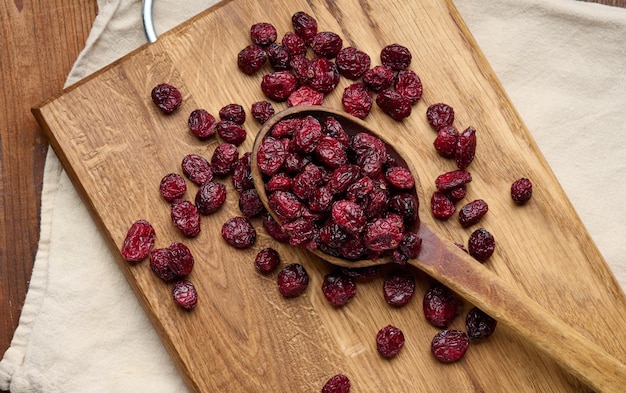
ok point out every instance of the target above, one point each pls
(41, 41)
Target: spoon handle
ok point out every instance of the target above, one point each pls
(584, 359)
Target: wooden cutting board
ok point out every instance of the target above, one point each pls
(243, 336)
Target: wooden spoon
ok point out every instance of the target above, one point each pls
(448, 264)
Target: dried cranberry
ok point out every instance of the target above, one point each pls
(409, 85)
(303, 232)
(343, 177)
(305, 95)
(250, 204)
(181, 260)
(324, 75)
(451, 180)
(251, 59)
(292, 280)
(400, 177)
(457, 193)
(472, 212)
(398, 287)
(262, 111)
(231, 132)
(521, 190)
(263, 33)
(267, 260)
(166, 97)
(337, 384)
(186, 217)
(270, 156)
(352, 63)
(357, 100)
(239, 232)
(382, 234)
(378, 202)
(332, 235)
(305, 137)
(172, 186)
(446, 141)
(274, 229)
(333, 128)
(349, 216)
(279, 85)
(338, 288)
(185, 294)
(481, 244)
(320, 200)
(201, 123)
(197, 168)
(300, 68)
(371, 154)
(353, 247)
(440, 306)
(378, 78)
(234, 113)
(396, 56)
(286, 205)
(449, 345)
(224, 159)
(478, 324)
(465, 148)
(138, 242)
(278, 57)
(406, 205)
(331, 152)
(160, 264)
(242, 173)
(439, 115)
(410, 245)
(305, 182)
(326, 44)
(394, 104)
(360, 189)
(278, 182)
(294, 44)
(389, 341)
(304, 25)
(210, 197)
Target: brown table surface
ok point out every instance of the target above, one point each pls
(41, 40)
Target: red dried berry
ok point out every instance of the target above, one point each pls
(242, 173)
(278, 57)
(465, 148)
(323, 75)
(279, 85)
(286, 205)
(278, 182)
(331, 152)
(409, 85)
(478, 324)
(394, 104)
(231, 132)
(270, 156)
(306, 181)
(138, 242)
(166, 97)
(333, 128)
(398, 287)
(457, 193)
(160, 264)
(250, 204)
(446, 141)
(378, 78)
(251, 59)
(396, 56)
(382, 234)
(352, 63)
(449, 345)
(262, 111)
(305, 95)
(338, 288)
(378, 202)
(439, 115)
(332, 235)
(472, 212)
(186, 217)
(353, 248)
(234, 113)
(210, 197)
(303, 233)
(360, 189)
(197, 169)
(451, 180)
(294, 44)
(320, 200)
(337, 384)
(292, 280)
(300, 68)
(349, 216)
(306, 136)
(406, 205)
(410, 245)
(389, 341)
(304, 25)
(481, 244)
(400, 178)
(181, 260)
(224, 159)
(326, 44)
(440, 306)
(239, 232)
(267, 260)
(201, 123)
(357, 100)
(185, 294)
(371, 154)
(263, 33)
(274, 229)
(172, 186)
(521, 190)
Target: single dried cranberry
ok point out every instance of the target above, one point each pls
(305, 137)
(239, 232)
(451, 180)
(481, 244)
(231, 132)
(138, 242)
(478, 324)
(320, 200)
(396, 56)
(250, 204)
(294, 44)
(306, 181)
(278, 182)
(274, 229)
(440, 306)
(343, 177)
(449, 345)
(360, 189)
(160, 264)
(353, 248)
(323, 74)
(166, 97)
(337, 384)
(378, 78)
(267, 260)
(382, 234)
(409, 86)
(172, 186)
(326, 44)
(406, 205)
(262, 111)
(270, 156)
(331, 152)
(389, 341)
(352, 63)
(472, 212)
(338, 288)
(349, 216)
(446, 141)
(286, 205)
(263, 33)
(410, 245)
(394, 104)
(300, 68)
(242, 173)
(210, 197)
(185, 294)
(333, 128)
(303, 232)
(332, 235)
(234, 113)
(186, 217)
(441, 206)
(224, 159)
(251, 59)
(378, 202)
(292, 280)
(201, 123)
(286, 127)
(398, 287)
(400, 177)
(197, 168)
(457, 193)
(278, 57)
(357, 100)
(439, 115)
(305, 95)
(279, 85)
(304, 25)
(371, 154)
(181, 260)
(521, 190)
(465, 148)
(295, 162)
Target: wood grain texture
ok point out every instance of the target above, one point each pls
(242, 326)
(27, 30)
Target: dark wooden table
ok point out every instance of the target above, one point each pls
(40, 40)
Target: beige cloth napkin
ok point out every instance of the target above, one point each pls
(562, 62)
